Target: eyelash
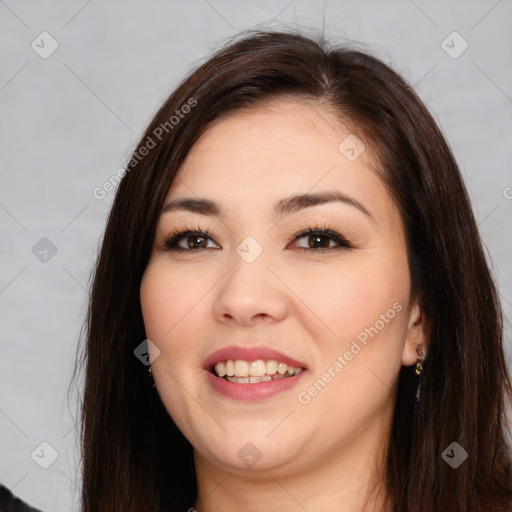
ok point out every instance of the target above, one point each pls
(174, 236)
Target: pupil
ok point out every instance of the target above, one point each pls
(313, 239)
(196, 241)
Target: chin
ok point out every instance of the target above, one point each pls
(252, 452)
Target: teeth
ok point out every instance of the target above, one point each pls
(241, 368)
(230, 368)
(254, 380)
(243, 372)
(221, 369)
(257, 368)
(271, 367)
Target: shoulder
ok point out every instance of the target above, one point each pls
(9, 502)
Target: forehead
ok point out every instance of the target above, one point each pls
(287, 129)
(265, 152)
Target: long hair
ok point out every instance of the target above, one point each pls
(134, 457)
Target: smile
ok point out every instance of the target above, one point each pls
(253, 372)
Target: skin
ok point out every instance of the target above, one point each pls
(308, 303)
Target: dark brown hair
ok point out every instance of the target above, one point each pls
(135, 458)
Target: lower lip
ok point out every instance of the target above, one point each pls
(252, 392)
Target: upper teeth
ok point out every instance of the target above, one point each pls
(257, 368)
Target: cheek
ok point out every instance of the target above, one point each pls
(351, 299)
(168, 296)
(168, 302)
(154, 299)
(362, 305)
(365, 309)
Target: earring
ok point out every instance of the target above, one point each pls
(419, 365)
(151, 376)
(419, 369)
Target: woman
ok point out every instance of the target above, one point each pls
(293, 250)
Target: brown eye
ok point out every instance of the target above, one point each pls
(195, 242)
(322, 239)
(189, 240)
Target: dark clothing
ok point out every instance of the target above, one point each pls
(9, 502)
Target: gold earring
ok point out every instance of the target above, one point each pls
(151, 376)
(419, 365)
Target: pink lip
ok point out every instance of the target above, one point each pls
(252, 392)
(250, 354)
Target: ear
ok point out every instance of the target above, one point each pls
(416, 336)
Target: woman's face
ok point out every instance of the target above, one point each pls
(264, 298)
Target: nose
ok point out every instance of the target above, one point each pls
(249, 294)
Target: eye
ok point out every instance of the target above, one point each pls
(188, 240)
(193, 240)
(322, 239)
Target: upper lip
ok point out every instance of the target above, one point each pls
(250, 354)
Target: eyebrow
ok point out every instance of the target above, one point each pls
(290, 204)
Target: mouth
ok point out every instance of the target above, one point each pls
(253, 372)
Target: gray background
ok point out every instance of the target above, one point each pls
(69, 121)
